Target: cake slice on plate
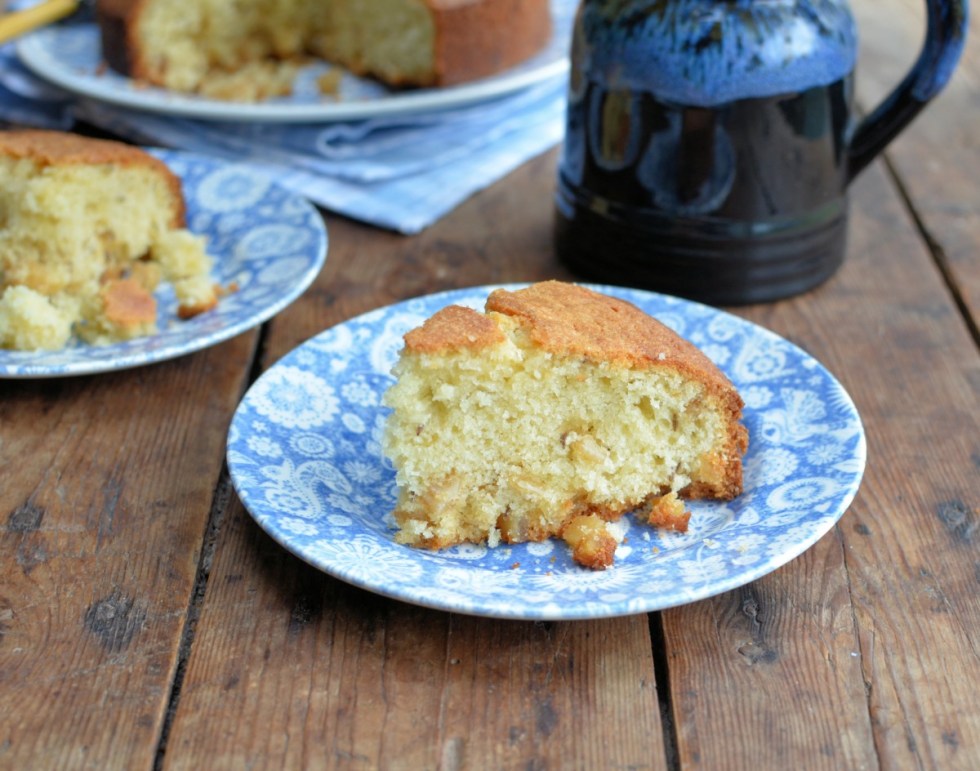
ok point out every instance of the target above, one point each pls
(555, 411)
(88, 228)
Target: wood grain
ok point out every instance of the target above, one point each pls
(293, 669)
(938, 157)
(107, 487)
(911, 554)
(375, 683)
(864, 652)
(769, 676)
(900, 600)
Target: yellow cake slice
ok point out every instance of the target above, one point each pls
(88, 228)
(556, 410)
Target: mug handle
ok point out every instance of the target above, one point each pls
(945, 37)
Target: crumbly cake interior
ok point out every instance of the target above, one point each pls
(204, 46)
(82, 247)
(390, 39)
(513, 442)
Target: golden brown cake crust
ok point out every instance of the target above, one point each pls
(451, 328)
(571, 319)
(476, 38)
(56, 148)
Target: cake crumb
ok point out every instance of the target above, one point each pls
(329, 82)
(593, 546)
(668, 512)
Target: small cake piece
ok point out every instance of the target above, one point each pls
(667, 512)
(200, 46)
(590, 540)
(88, 227)
(30, 321)
(555, 410)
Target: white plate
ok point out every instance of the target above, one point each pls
(70, 56)
(267, 242)
(304, 452)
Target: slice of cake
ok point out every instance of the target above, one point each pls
(555, 411)
(88, 228)
(198, 47)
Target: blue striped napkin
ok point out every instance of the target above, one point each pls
(400, 172)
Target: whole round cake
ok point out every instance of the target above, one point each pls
(184, 46)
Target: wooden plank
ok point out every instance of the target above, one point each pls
(107, 487)
(912, 549)
(374, 683)
(769, 676)
(292, 669)
(887, 327)
(914, 601)
(546, 695)
(938, 157)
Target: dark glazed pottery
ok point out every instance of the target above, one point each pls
(710, 143)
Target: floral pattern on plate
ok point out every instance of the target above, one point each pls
(304, 452)
(268, 245)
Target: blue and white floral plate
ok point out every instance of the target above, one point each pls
(304, 451)
(268, 244)
(70, 56)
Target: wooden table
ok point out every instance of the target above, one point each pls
(146, 621)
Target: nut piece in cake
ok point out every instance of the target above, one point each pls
(555, 409)
(591, 542)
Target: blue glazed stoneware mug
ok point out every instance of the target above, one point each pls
(710, 143)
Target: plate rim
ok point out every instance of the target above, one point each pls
(729, 582)
(39, 61)
(23, 370)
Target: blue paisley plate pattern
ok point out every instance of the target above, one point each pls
(268, 246)
(70, 56)
(304, 453)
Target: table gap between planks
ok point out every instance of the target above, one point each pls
(146, 621)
